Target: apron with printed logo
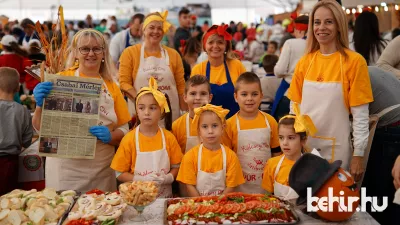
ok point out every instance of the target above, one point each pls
(148, 163)
(253, 151)
(282, 191)
(160, 70)
(324, 103)
(87, 174)
(191, 141)
(211, 184)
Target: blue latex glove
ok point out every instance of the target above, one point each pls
(41, 91)
(102, 133)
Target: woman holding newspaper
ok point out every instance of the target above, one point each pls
(89, 58)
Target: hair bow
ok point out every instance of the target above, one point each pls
(302, 123)
(158, 95)
(221, 112)
(161, 18)
(220, 31)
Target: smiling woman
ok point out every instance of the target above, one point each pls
(340, 77)
(151, 59)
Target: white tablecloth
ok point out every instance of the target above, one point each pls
(30, 164)
(155, 215)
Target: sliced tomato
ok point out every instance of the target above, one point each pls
(181, 210)
(220, 209)
(251, 205)
(243, 208)
(235, 208)
(95, 191)
(193, 209)
(202, 209)
(228, 208)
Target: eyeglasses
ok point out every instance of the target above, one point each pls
(86, 50)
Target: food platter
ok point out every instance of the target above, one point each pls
(233, 208)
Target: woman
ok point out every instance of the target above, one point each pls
(292, 51)
(191, 49)
(366, 38)
(330, 82)
(141, 61)
(222, 68)
(89, 58)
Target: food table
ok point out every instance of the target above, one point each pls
(155, 215)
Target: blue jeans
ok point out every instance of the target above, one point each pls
(378, 179)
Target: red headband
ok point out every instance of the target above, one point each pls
(301, 26)
(220, 31)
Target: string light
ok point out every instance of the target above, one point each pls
(343, 8)
(353, 11)
(396, 7)
(376, 9)
(348, 11)
(360, 10)
(386, 8)
(383, 4)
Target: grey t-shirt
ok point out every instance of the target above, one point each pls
(15, 128)
(386, 91)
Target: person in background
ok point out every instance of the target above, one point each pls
(36, 56)
(112, 28)
(18, 33)
(366, 38)
(128, 37)
(102, 27)
(292, 51)
(30, 32)
(15, 129)
(395, 32)
(205, 26)
(272, 48)
(232, 25)
(331, 81)
(210, 168)
(255, 49)
(385, 145)
(151, 59)
(89, 21)
(238, 37)
(81, 25)
(250, 133)
(183, 31)
(222, 68)
(191, 49)
(269, 83)
(148, 147)
(251, 31)
(390, 58)
(195, 28)
(71, 29)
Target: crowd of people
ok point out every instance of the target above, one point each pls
(204, 123)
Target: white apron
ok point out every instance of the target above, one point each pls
(253, 151)
(324, 103)
(87, 174)
(25, 44)
(282, 191)
(160, 70)
(191, 141)
(148, 163)
(211, 184)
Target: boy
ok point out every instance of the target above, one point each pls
(15, 129)
(183, 31)
(252, 134)
(197, 94)
(272, 47)
(269, 82)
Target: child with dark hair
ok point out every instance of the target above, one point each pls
(269, 82)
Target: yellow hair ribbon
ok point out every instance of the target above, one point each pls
(158, 95)
(163, 19)
(302, 123)
(221, 112)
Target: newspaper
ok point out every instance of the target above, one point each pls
(68, 112)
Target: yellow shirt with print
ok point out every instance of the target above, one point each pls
(230, 137)
(356, 83)
(125, 158)
(211, 162)
(217, 74)
(269, 173)
(179, 130)
(120, 106)
(129, 66)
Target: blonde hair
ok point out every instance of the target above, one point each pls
(228, 48)
(9, 80)
(107, 68)
(342, 38)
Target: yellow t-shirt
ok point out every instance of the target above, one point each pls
(125, 158)
(217, 74)
(179, 130)
(129, 66)
(211, 162)
(120, 106)
(230, 136)
(356, 83)
(269, 173)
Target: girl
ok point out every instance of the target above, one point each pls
(293, 132)
(210, 168)
(149, 152)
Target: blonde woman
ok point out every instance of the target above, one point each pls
(151, 59)
(331, 82)
(89, 58)
(222, 68)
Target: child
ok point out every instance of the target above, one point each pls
(293, 132)
(149, 152)
(269, 83)
(210, 168)
(252, 134)
(197, 94)
(272, 47)
(15, 129)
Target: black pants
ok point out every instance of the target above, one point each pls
(378, 179)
